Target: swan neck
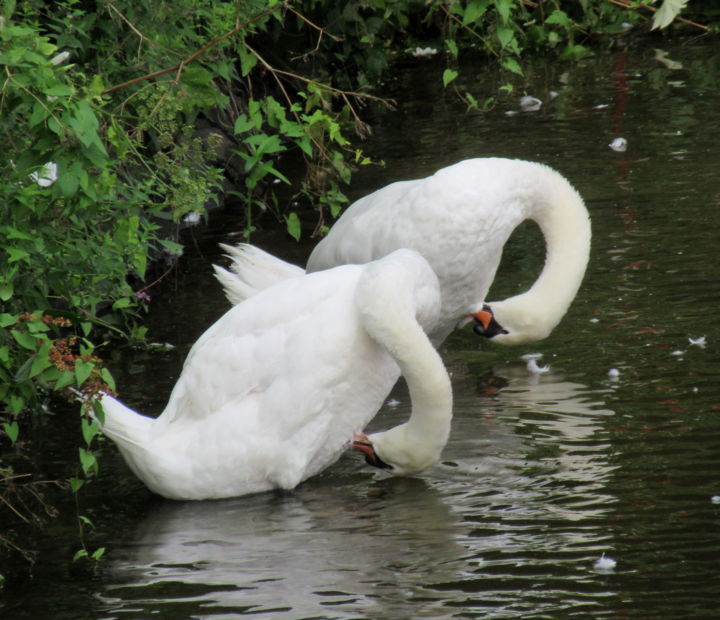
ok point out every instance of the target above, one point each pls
(563, 219)
(430, 393)
(418, 443)
(399, 301)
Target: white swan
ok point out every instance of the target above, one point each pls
(459, 219)
(276, 389)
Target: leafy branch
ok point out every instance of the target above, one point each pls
(178, 68)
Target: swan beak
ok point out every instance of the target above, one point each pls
(360, 441)
(484, 318)
(485, 323)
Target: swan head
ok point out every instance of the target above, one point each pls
(486, 324)
(395, 453)
(362, 443)
(515, 321)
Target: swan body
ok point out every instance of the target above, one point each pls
(459, 219)
(277, 388)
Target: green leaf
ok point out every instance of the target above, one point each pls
(41, 361)
(98, 553)
(452, 47)
(471, 101)
(85, 521)
(511, 64)
(6, 290)
(560, 18)
(176, 249)
(67, 377)
(85, 125)
(17, 404)
(88, 462)
(305, 145)
(82, 370)
(474, 11)
(13, 233)
(23, 372)
(448, 76)
(504, 8)
(8, 319)
(80, 553)
(58, 90)
(247, 61)
(25, 340)
(76, 484)
(90, 429)
(12, 429)
(67, 183)
(243, 124)
(293, 226)
(505, 35)
(98, 408)
(39, 114)
(123, 302)
(17, 254)
(265, 144)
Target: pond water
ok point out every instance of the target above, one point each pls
(543, 474)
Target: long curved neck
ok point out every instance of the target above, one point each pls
(417, 443)
(563, 219)
(389, 316)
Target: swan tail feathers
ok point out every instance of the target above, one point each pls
(251, 271)
(124, 426)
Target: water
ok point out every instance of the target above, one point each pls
(543, 474)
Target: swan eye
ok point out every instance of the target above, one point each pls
(485, 323)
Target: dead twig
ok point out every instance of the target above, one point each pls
(321, 32)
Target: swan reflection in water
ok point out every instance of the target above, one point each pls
(522, 482)
(337, 542)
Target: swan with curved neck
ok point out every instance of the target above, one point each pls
(278, 387)
(459, 219)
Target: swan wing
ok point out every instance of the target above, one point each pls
(290, 354)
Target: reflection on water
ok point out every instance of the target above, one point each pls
(522, 485)
(328, 548)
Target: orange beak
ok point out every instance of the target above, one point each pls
(483, 317)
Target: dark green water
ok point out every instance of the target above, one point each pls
(543, 473)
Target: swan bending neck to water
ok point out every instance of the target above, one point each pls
(459, 219)
(280, 385)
